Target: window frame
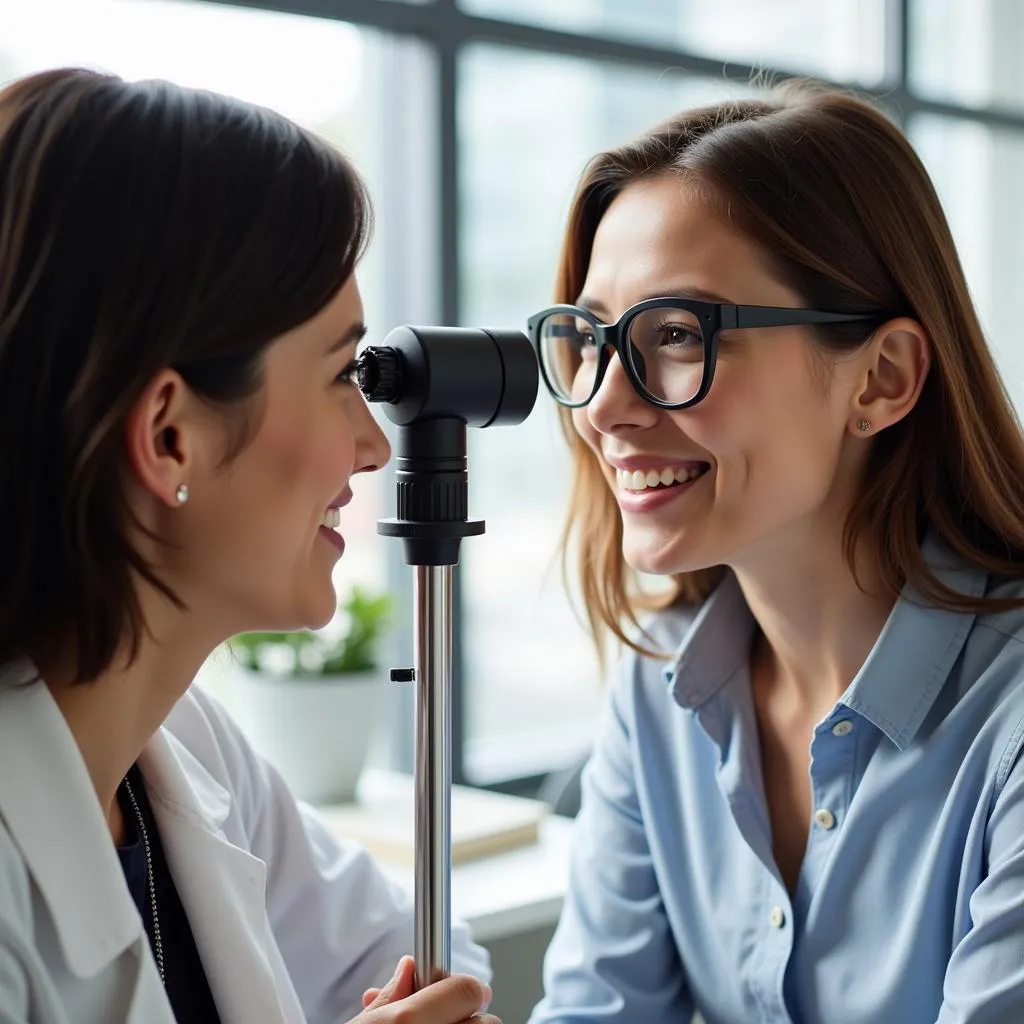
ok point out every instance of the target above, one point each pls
(442, 30)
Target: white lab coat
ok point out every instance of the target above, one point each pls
(291, 926)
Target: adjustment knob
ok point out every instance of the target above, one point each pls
(380, 375)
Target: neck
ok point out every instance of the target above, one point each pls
(817, 624)
(113, 717)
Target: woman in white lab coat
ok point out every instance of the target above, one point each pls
(179, 425)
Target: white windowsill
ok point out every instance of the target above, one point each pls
(511, 892)
(498, 894)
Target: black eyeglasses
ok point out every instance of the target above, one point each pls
(667, 346)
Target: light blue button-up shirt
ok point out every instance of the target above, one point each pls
(909, 908)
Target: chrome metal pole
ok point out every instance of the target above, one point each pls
(432, 638)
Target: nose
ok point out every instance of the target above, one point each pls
(617, 407)
(373, 450)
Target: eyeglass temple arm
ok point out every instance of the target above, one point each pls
(781, 316)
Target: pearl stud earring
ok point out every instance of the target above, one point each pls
(181, 493)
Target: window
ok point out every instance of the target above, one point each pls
(977, 171)
(471, 120)
(317, 72)
(967, 53)
(841, 40)
(527, 124)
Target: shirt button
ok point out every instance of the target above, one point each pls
(777, 917)
(843, 728)
(825, 818)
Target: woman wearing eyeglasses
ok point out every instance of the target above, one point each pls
(806, 798)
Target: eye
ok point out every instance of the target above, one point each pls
(677, 335)
(583, 337)
(349, 374)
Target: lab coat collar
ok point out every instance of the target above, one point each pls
(50, 808)
(181, 785)
(216, 882)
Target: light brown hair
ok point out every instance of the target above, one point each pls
(842, 207)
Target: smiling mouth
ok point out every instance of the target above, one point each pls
(639, 481)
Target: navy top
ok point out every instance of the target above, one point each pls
(184, 977)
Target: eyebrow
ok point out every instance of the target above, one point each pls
(352, 336)
(597, 306)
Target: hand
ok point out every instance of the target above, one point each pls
(459, 999)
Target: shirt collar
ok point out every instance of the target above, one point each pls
(915, 652)
(715, 646)
(898, 682)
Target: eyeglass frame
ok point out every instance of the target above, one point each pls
(720, 316)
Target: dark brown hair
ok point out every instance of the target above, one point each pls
(843, 209)
(142, 226)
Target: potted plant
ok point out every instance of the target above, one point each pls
(311, 698)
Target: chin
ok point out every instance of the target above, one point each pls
(312, 611)
(322, 613)
(664, 560)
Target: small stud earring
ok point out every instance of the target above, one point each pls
(181, 493)
(864, 425)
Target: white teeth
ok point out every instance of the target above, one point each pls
(332, 518)
(641, 480)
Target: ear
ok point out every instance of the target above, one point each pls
(899, 357)
(158, 439)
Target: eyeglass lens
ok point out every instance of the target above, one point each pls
(666, 349)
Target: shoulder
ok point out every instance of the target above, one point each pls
(980, 703)
(992, 659)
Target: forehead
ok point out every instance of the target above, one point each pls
(663, 236)
(344, 309)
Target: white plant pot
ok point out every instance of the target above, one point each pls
(315, 731)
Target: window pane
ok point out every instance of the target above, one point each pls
(527, 125)
(977, 172)
(968, 53)
(311, 70)
(840, 40)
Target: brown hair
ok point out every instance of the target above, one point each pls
(841, 205)
(142, 226)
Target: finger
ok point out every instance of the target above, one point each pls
(369, 995)
(399, 987)
(453, 998)
(405, 980)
